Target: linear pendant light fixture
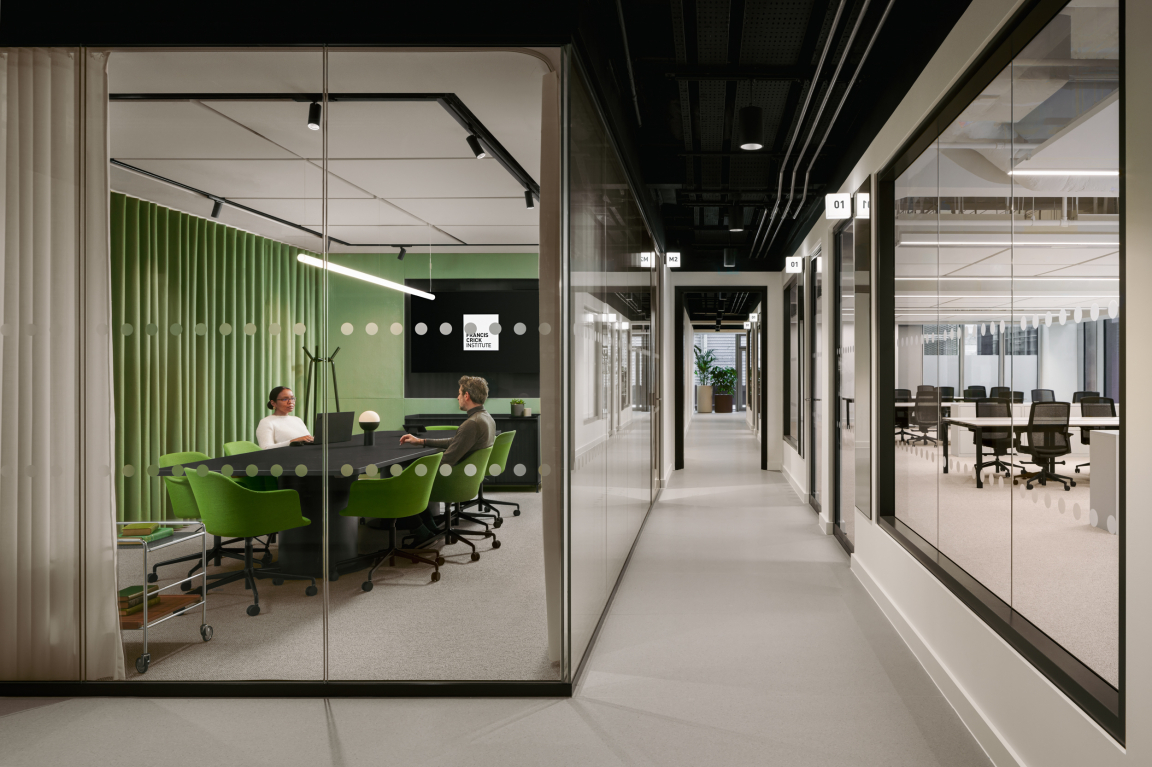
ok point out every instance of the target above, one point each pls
(312, 261)
(751, 128)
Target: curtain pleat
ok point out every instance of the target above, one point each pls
(39, 392)
(204, 320)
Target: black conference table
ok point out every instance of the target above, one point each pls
(301, 550)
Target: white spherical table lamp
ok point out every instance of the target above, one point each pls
(369, 422)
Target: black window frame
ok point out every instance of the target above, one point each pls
(794, 285)
(1103, 703)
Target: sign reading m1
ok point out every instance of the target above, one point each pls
(837, 206)
(478, 335)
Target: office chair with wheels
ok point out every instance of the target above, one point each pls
(260, 484)
(974, 393)
(903, 415)
(458, 485)
(926, 415)
(1077, 396)
(1045, 440)
(393, 498)
(441, 428)
(184, 507)
(1000, 392)
(229, 510)
(1094, 407)
(1000, 442)
(947, 394)
(1043, 395)
(497, 464)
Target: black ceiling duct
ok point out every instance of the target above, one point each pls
(751, 128)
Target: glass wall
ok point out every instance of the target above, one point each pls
(793, 356)
(1007, 285)
(610, 303)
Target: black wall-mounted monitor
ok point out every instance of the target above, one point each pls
(470, 344)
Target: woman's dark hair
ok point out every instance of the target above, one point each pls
(272, 397)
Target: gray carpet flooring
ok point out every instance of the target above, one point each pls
(1035, 549)
(482, 620)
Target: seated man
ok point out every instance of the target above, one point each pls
(476, 433)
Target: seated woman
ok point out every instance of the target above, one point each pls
(281, 428)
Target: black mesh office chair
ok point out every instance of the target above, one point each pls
(998, 441)
(1043, 395)
(1077, 396)
(902, 415)
(947, 394)
(1000, 392)
(1094, 407)
(926, 415)
(975, 393)
(1046, 439)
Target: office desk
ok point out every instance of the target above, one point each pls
(978, 425)
(301, 550)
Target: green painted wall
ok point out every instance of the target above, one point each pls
(370, 368)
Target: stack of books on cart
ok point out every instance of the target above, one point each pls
(143, 532)
(132, 599)
(159, 605)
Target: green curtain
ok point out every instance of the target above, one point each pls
(206, 320)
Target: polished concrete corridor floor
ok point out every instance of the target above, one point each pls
(738, 637)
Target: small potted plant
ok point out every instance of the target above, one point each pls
(724, 386)
(517, 407)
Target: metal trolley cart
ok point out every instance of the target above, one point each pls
(171, 605)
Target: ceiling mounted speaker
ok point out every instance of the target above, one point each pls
(751, 128)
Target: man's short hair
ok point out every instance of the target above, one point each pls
(476, 388)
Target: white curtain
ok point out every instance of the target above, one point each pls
(47, 409)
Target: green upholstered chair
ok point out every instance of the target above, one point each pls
(393, 498)
(252, 483)
(456, 485)
(232, 511)
(497, 465)
(184, 507)
(441, 428)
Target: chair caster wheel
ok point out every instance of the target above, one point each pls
(475, 556)
(495, 543)
(515, 512)
(206, 632)
(1073, 484)
(267, 558)
(152, 578)
(185, 586)
(1077, 471)
(439, 561)
(253, 610)
(435, 576)
(333, 576)
(366, 585)
(142, 663)
(498, 523)
(310, 591)
(277, 581)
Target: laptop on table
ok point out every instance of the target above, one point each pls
(339, 429)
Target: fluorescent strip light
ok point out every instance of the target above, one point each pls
(1003, 244)
(312, 261)
(1063, 173)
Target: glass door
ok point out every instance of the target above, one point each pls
(844, 452)
(816, 344)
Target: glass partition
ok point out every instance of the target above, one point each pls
(1007, 287)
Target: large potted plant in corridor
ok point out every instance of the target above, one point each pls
(705, 367)
(723, 387)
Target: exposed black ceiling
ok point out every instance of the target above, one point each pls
(727, 310)
(696, 63)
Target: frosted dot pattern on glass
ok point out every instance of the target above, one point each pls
(346, 470)
(154, 470)
(519, 470)
(395, 470)
(277, 470)
(371, 328)
(519, 328)
(470, 470)
(225, 329)
(396, 328)
(420, 328)
(470, 328)
(299, 329)
(202, 470)
(251, 471)
(445, 328)
(274, 329)
(226, 470)
(545, 470)
(445, 470)
(545, 328)
(250, 329)
(1113, 525)
(175, 329)
(372, 470)
(129, 470)
(201, 329)
(177, 471)
(495, 470)
(347, 328)
(301, 470)
(421, 470)
(150, 329)
(495, 328)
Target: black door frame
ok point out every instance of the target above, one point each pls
(837, 343)
(678, 343)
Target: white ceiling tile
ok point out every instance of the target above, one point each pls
(476, 211)
(479, 235)
(250, 178)
(180, 129)
(389, 235)
(341, 212)
(429, 178)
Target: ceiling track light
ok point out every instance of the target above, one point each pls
(314, 116)
(400, 255)
(529, 200)
(736, 218)
(217, 205)
(474, 145)
(751, 128)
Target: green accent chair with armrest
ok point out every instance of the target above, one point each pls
(261, 484)
(458, 486)
(184, 507)
(393, 498)
(441, 428)
(229, 510)
(497, 465)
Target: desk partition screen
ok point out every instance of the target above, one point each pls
(1005, 271)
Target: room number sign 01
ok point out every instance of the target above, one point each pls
(794, 265)
(838, 206)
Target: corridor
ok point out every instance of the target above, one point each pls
(738, 636)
